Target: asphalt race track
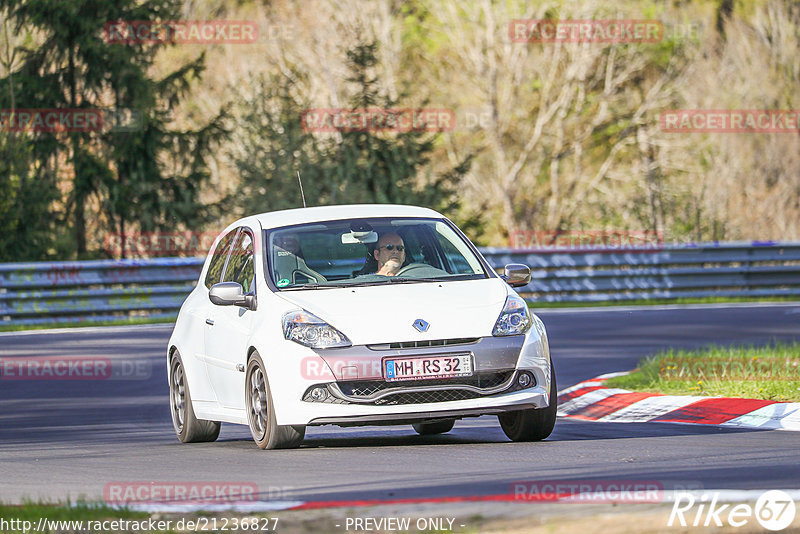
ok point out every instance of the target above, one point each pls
(61, 439)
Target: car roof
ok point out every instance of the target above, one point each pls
(275, 219)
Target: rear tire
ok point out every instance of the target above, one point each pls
(261, 411)
(532, 424)
(187, 426)
(439, 427)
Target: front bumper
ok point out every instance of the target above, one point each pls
(400, 403)
(409, 414)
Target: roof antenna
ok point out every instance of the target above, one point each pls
(301, 189)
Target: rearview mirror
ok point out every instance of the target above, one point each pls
(231, 294)
(517, 274)
(359, 237)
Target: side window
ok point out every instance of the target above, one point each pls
(218, 259)
(420, 247)
(241, 266)
(457, 262)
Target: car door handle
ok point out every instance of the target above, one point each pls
(210, 322)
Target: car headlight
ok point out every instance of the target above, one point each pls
(307, 329)
(514, 319)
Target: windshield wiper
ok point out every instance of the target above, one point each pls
(404, 280)
(313, 286)
(334, 285)
(382, 281)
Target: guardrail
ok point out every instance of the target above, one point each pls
(58, 292)
(752, 269)
(55, 292)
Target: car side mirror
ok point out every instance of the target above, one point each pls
(231, 294)
(516, 274)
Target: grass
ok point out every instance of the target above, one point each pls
(33, 511)
(769, 373)
(660, 302)
(83, 324)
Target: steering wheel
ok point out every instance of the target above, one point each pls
(412, 267)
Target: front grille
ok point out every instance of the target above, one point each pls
(420, 397)
(379, 393)
(367, 388)
(426, 343)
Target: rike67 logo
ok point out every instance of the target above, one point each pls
(774, 510)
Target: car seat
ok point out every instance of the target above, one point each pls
(289, 263)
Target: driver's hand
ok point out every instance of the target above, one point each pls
(391, 267)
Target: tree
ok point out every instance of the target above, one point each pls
(342, 167)
(562, 118)
(26, 190)
(270, 147)
(26, 194)
(149, 175)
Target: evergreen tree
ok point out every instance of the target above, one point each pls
(271, 147)
(26, 193)
(148, 176)
(364, 166)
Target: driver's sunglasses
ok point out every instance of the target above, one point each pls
(400, 248)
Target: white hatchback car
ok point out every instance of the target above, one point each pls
(355, 315)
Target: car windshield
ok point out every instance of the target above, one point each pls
(351, 252)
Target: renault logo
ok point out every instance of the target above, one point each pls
(421, 325)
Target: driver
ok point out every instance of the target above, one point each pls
(390, 254)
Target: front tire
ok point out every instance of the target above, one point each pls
(261, 411)
(532, 424)
(187, 426)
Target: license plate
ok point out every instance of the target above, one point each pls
(427, 367)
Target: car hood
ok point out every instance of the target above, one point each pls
(386, 313)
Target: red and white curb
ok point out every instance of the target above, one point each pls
(593, 401)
